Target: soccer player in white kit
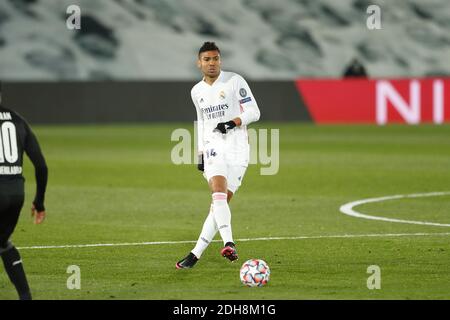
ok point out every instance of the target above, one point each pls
(225, 107)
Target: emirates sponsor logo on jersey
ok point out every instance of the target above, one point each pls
(219, 107)
(215, 112)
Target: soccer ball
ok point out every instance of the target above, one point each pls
(255, 273)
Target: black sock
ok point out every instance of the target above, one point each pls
(14, 269)
(231, 244)
(193, 256)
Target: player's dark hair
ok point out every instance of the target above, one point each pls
(208, 46)
(0, 87)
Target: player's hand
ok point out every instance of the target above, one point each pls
(201, 163)
(39, 216)
(223, 127)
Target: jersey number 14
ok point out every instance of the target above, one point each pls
(210, 153)
(8, 143)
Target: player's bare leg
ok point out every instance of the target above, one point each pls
(222, 214)
(230, 195)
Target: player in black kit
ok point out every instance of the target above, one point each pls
(16, 138)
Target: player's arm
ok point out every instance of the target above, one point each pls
(33, 151)
(248, 103)
(250, 111)
(200, 125)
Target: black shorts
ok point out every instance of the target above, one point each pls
(11, 202)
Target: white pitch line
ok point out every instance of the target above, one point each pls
(238, 240)
(348, 208)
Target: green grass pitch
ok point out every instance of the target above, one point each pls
(117, 184)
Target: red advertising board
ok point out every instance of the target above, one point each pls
(379, 101)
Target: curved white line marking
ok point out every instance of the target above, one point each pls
(348, 208)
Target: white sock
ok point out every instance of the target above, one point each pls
(222, 215)
(207, 235)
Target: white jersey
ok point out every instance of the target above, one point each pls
(227, 98)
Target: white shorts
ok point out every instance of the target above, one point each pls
(233, 174)
(220, 163)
